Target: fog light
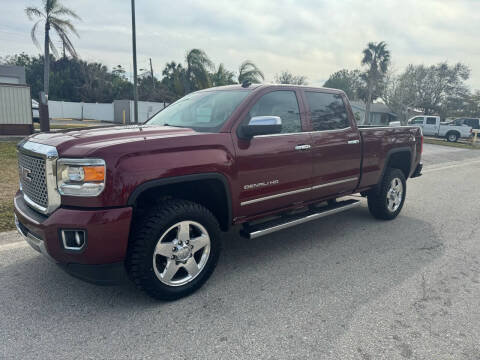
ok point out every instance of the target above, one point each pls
(74, 239)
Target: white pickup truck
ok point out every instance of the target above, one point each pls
(431, 126)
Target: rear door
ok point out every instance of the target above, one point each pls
(430, 127)
(336, 147)
(419, 121)
(274, 171)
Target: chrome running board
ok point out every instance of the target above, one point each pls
(255, 231)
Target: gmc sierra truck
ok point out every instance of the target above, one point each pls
(151, 201)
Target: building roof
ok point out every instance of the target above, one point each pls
(374, 108)
(11, 74)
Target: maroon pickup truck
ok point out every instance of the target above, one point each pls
(152, 201)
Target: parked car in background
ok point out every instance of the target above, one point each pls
(152, 200)
(474, 123)
(432, 126)
(35, 111)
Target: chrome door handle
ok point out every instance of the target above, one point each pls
(302, 147)
(351, 142)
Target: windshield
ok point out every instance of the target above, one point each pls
(203, 111)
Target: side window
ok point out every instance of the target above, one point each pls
(327, 111)
(417, 120)
(282, 103)
(431, 121)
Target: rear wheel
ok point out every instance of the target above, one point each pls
(386, 201)
(452, 137)
(174, 250)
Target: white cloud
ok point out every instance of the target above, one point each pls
(308, 37)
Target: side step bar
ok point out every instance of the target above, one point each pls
(255, 231)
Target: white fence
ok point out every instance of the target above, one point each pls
(80, 111)
(146, 110)
(101, 112)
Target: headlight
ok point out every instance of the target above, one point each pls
(81, 177)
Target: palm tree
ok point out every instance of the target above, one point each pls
(223, 76)
(55, 16)
(197, 72)
(377, 58)
(174, 78)
(249, 72)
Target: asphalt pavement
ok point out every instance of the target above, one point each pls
(343, 287)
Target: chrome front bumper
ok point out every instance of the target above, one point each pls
(35, 242)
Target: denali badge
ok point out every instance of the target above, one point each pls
(259, 185)
(25, 174)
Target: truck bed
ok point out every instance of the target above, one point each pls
(378, 144)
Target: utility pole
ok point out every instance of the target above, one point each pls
(134, 43)
(151, 72)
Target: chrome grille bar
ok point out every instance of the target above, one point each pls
(38, 181)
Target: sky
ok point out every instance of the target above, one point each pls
(313, 38)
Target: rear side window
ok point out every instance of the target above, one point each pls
(417, 120)
(281, 103)
(431, 121)
(327, 111)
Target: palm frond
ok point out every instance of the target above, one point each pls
(53, 48)
(33, 12)
(34, 36)
(248, 71)
(65, 40)
(66, 25)
(198, 57)
(62, 10)
(49, 5)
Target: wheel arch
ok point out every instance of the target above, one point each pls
(399, 158)
(208, 189)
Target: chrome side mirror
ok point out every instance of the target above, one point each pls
(262, 125)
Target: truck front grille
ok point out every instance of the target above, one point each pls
(33, 179)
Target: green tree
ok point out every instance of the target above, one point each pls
(399, 95)
(249, 72)
(55, 16)
(223, 76)
(376, 57)
(286, 77)
(174, 78)
(350, 81)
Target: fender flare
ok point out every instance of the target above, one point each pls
(183, 179)
(389, 156)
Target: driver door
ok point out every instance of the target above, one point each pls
(274, 171)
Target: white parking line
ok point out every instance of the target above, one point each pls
(450, 165)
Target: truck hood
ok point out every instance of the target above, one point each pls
(86, 140)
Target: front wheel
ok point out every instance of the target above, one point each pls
(386, 201)
(174, 250)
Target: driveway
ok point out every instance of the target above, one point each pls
(344, 287)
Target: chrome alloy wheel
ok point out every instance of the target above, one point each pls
(181, 253)
(394, 195)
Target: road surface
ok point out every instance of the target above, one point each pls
(344, 287)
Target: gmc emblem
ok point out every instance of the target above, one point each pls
(25, 174)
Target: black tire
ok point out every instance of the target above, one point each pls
(377, 197)
(452, 136)
(148, 232)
